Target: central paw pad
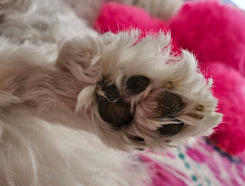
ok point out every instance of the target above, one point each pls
(112, 108)
(137, 84)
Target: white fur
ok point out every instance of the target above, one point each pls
(50, 65)
(89, 9)
(162, 9)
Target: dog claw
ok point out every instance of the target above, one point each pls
(200, 108)
(167, 141)
(137, 84)
(196, 116)
(169, 85)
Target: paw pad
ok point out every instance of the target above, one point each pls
(112, 108)
(169, 104)
(137, 84)
(170, 129)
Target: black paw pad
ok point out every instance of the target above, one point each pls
(169, 104)
(110, 91)
(137, 84)
(170, 129)
(112, 108)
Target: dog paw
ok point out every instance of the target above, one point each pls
(147, 96)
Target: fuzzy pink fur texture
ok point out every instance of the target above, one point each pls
(213, 32)
(216, 32)
(229, 88)
(117, 17)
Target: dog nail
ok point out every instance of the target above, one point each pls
(167, 141)
(196, 116)
(169, 85)
(170, 129)
(169, 104)
(137, 84)
(200, 107)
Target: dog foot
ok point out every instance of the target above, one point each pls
(146, 96)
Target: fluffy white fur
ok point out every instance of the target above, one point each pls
(89, 9)
(163, 9)
(51, 131)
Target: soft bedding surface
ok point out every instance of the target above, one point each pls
(201, 165)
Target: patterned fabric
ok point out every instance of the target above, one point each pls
(202, 165)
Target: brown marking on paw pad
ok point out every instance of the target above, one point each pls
(137, 84)
(170, 129)
(112, 108)
(169, 104)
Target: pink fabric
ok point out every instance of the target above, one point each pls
(117, 17)
(213, 32)
(203, 164)
(165, 175)
(229, 87)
